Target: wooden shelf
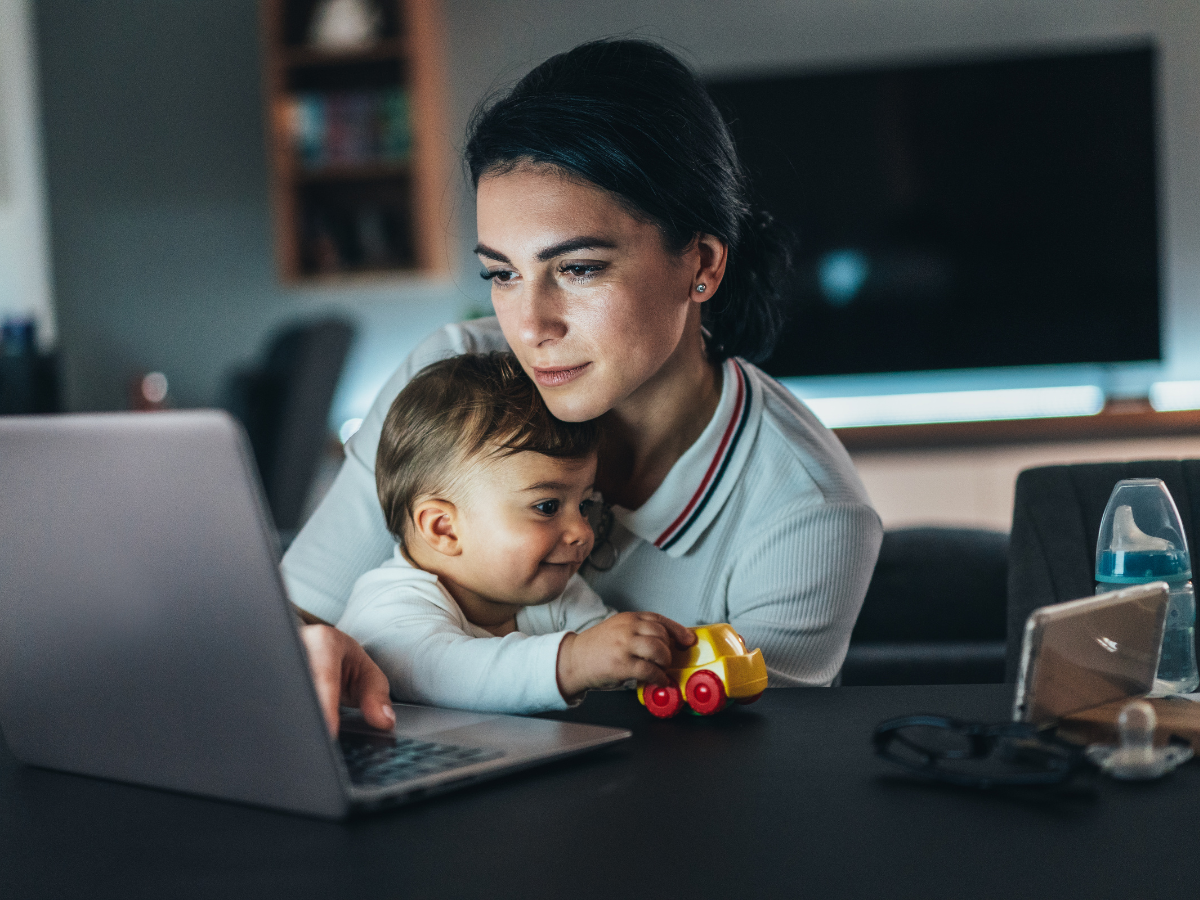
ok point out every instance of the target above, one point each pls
(356, 172)
(1124, 419)
(332, 221)
(298, 57)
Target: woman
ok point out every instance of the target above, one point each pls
(633, 281)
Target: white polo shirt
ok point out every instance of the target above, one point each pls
(762, 523)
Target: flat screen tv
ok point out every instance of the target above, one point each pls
(997, 212)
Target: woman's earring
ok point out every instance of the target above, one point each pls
(701, 288)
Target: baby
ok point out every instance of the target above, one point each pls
(481, 606)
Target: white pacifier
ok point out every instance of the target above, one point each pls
(1136, 758)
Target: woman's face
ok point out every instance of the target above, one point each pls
(589, 298)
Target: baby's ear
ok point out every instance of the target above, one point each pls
(436, 522)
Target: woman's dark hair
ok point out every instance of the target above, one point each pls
(631, 118)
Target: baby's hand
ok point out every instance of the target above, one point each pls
(629, 645)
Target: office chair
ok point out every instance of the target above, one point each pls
(284, 406)
(934, 611)
(1056, 522)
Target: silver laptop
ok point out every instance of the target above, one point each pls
(145, 635)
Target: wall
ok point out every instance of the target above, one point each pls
(157, 178)
(24, 259)
(973, 486)
(159, 204)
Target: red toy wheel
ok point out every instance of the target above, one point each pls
(662, 702)
(746, 701)
(705, 693)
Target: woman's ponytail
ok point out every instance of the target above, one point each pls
(744, 317)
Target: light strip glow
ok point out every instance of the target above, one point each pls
(957, 406)
(349, 429)
(1171, 395)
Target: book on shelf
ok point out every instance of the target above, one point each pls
(359, 237)
(345, 128)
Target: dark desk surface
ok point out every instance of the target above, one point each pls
(781, 799)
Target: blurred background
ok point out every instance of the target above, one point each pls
(200, 200)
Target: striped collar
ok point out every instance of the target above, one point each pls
(700, 481)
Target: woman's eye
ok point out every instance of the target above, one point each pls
(501, 276)
(547, 507)
(581, 271)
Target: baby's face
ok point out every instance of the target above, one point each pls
(523, 527)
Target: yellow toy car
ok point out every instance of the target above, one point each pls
(709, 675)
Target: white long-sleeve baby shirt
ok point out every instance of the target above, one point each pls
(411, 626)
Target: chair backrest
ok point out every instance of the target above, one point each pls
(1056, 522)
(284, 406)
(936, 584)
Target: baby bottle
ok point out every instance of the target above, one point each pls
(1142, 540)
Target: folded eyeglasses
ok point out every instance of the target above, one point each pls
(978, 755)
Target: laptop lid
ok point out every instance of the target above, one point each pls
(145, 637)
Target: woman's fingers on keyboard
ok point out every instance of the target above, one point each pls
(342, 672)
(325, 663)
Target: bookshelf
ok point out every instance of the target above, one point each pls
(357, 143)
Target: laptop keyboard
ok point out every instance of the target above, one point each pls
(376, 761)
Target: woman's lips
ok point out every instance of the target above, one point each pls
(556, 377)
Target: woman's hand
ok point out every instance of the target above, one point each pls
(629, 645)
(344, 674)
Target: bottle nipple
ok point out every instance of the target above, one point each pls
(1127, 537)
(1136, 728)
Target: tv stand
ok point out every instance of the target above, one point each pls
(964, 473)
(1118, 419)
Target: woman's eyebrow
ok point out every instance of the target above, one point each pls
(484, 250)
(568, 246)
(572, 244)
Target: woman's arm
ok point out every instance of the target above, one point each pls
(796, 590)
(345, 676)
(345, 538)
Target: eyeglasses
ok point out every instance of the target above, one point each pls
(978, 755)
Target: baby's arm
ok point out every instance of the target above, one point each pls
(417, 636)
(629, 646)
(606, 649)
